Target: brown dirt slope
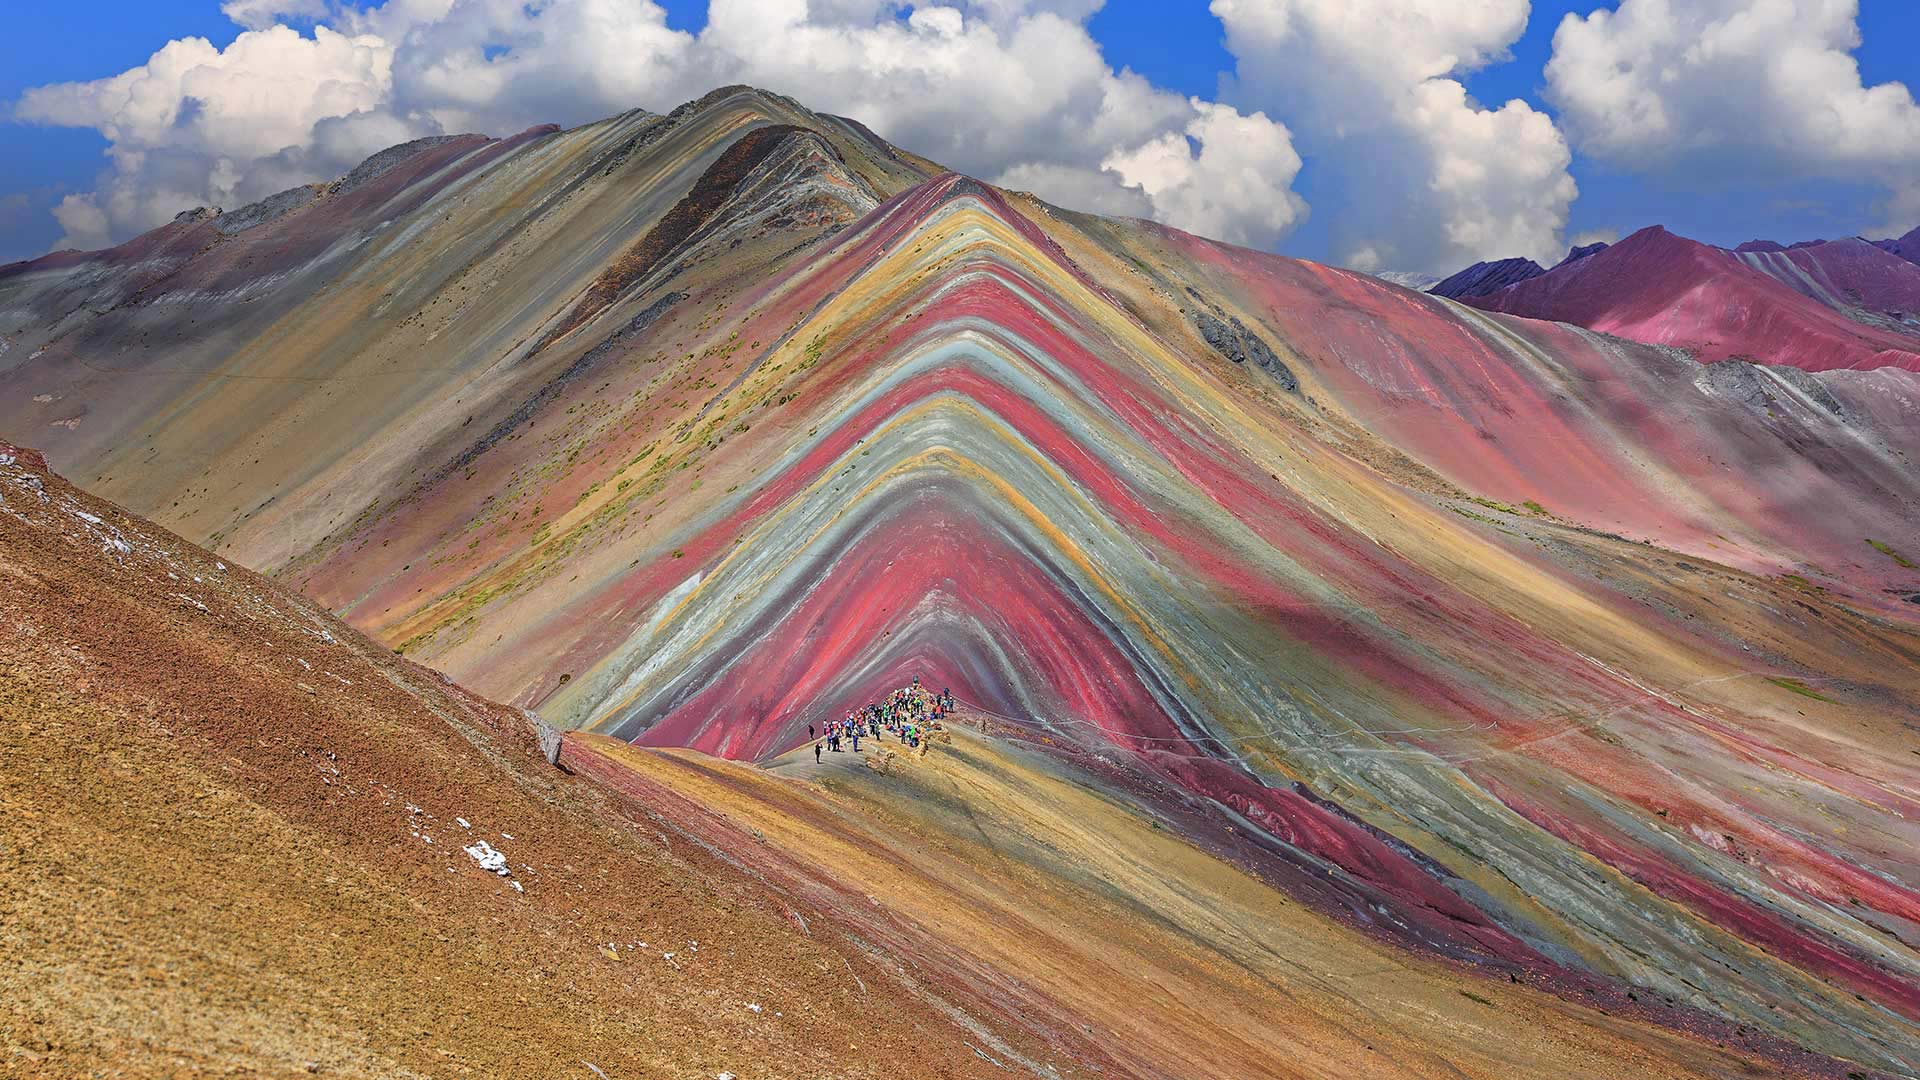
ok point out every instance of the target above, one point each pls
(1042, 883)
(216, 803)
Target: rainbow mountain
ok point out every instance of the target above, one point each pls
(1515, 649)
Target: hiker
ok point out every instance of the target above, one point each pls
(809, 731)
(816, 751)
(856, 740)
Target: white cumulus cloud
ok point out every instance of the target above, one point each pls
(1431, 178)
(195, 123)
(1723, 91)
(1236, 186)
(1098, 191)
(260, 14)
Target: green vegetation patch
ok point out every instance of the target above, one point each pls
(1800, 688)
(1892, 554)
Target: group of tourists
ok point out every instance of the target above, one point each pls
(912, 713)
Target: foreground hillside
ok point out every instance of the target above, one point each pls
(240, 838)
(1104, 901)
(1510, 644)
(244, 840)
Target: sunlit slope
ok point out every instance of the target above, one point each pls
(242, 839)
(946, 445)
(1072, 895)
(263, 388)
(978, 442)
(1505, 641)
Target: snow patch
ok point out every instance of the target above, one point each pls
(490, 860)
(111, 541)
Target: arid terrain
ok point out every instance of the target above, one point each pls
(234, 834)
(1352, 680)
(242, 834)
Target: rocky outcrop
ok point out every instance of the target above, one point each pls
(378, 164)
(1575, 254)
(267, 209)
(1483, 278)
(1231, 339)
(1765, 388)
(1408, 279)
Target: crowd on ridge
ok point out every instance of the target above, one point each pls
(912, 713)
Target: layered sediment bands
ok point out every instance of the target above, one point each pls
(713, 191)
(1866, 283)
(264, 389)
(999, 495)
(242, 839)
(1057, 886)
(1496, 640)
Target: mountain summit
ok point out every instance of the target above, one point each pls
(1816, 306)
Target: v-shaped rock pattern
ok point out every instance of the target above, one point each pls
(1506, 640)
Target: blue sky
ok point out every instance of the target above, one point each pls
(1178, 46)
(1187, 54)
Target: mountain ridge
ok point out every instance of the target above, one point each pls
(1663, 289)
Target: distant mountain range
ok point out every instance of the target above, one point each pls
(1815, 305)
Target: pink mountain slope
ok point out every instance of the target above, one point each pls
(1906, 247)
(1852, 276)
(1664, 289)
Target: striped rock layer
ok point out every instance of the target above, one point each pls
(1505, 641)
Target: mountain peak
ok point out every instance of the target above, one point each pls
(1906, 247)
(1659, 287)
(1575, 254)
(1486, 277)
